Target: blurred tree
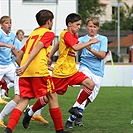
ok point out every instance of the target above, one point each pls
(126, 19)
(87, 8)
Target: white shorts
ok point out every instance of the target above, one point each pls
(96, 79)
(16, 85)
(7, 72)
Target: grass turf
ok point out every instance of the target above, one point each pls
(111, 112)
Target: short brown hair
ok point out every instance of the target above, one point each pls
(4, 18)
(18, 31)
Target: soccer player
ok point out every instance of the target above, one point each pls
(7, 37)
(35, 80)
(65, 72)
(91, 64)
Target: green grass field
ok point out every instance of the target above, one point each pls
(111, 112)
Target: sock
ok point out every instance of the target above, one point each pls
(38, 112)
(3, 92)
(14, 118)
(9, 85)
(7, 109)
(39, 104)
(56, 115)
(84, 95)
(71, 118)
(3, 84)
(80, 110)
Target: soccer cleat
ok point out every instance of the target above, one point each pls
(2, 123)
(68, 124)
(74, 111)
(7, 130)
(39, 118)
(5, 97)
(26, 119)
(78, 122)
(3, 101)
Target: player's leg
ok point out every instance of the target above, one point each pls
(91, 98)
(16, 114)
(81, 78)
(56, 113)
(12, 104)
(38, 116)
(41, 102)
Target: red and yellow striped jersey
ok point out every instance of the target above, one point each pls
(65, 65)
(38, 67)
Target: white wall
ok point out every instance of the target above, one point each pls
(23, 14)
(117, 75)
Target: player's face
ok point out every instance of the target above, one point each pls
(74, 27)
(92, 29)
(20, 36)
(6, 26)
(50, 24)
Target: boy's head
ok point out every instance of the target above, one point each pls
(43, 16)
(92, 26)
(6, 24)
(5, 18)
(20, 34)
(73, 17)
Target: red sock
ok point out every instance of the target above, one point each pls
(4, 85)
(39, 104)
(84, 95)
(56, 115)
(14, 118)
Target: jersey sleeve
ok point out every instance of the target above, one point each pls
(104, 44)
(47, 39)
(23, 48)
(70, 40)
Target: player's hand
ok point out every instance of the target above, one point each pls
(20, 70)
(49, 62)
(11, 46)
(94, 40)
(50, 68)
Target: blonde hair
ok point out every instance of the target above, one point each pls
(4, 18)
(95, 21)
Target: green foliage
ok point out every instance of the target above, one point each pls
(87, 8)
(126, 19)
(111, 112)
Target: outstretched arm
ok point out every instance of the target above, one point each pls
(77, 47)
(7, 45)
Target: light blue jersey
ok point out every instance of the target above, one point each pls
(93, 63)
(18, 46)
(5, 53)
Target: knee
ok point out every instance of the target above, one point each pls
(92, 85)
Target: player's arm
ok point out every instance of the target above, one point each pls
(7, 45)
(99, 54)
(73, 42)
(19, 57)
(32, 55)
(52, 52)
(77, 47)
